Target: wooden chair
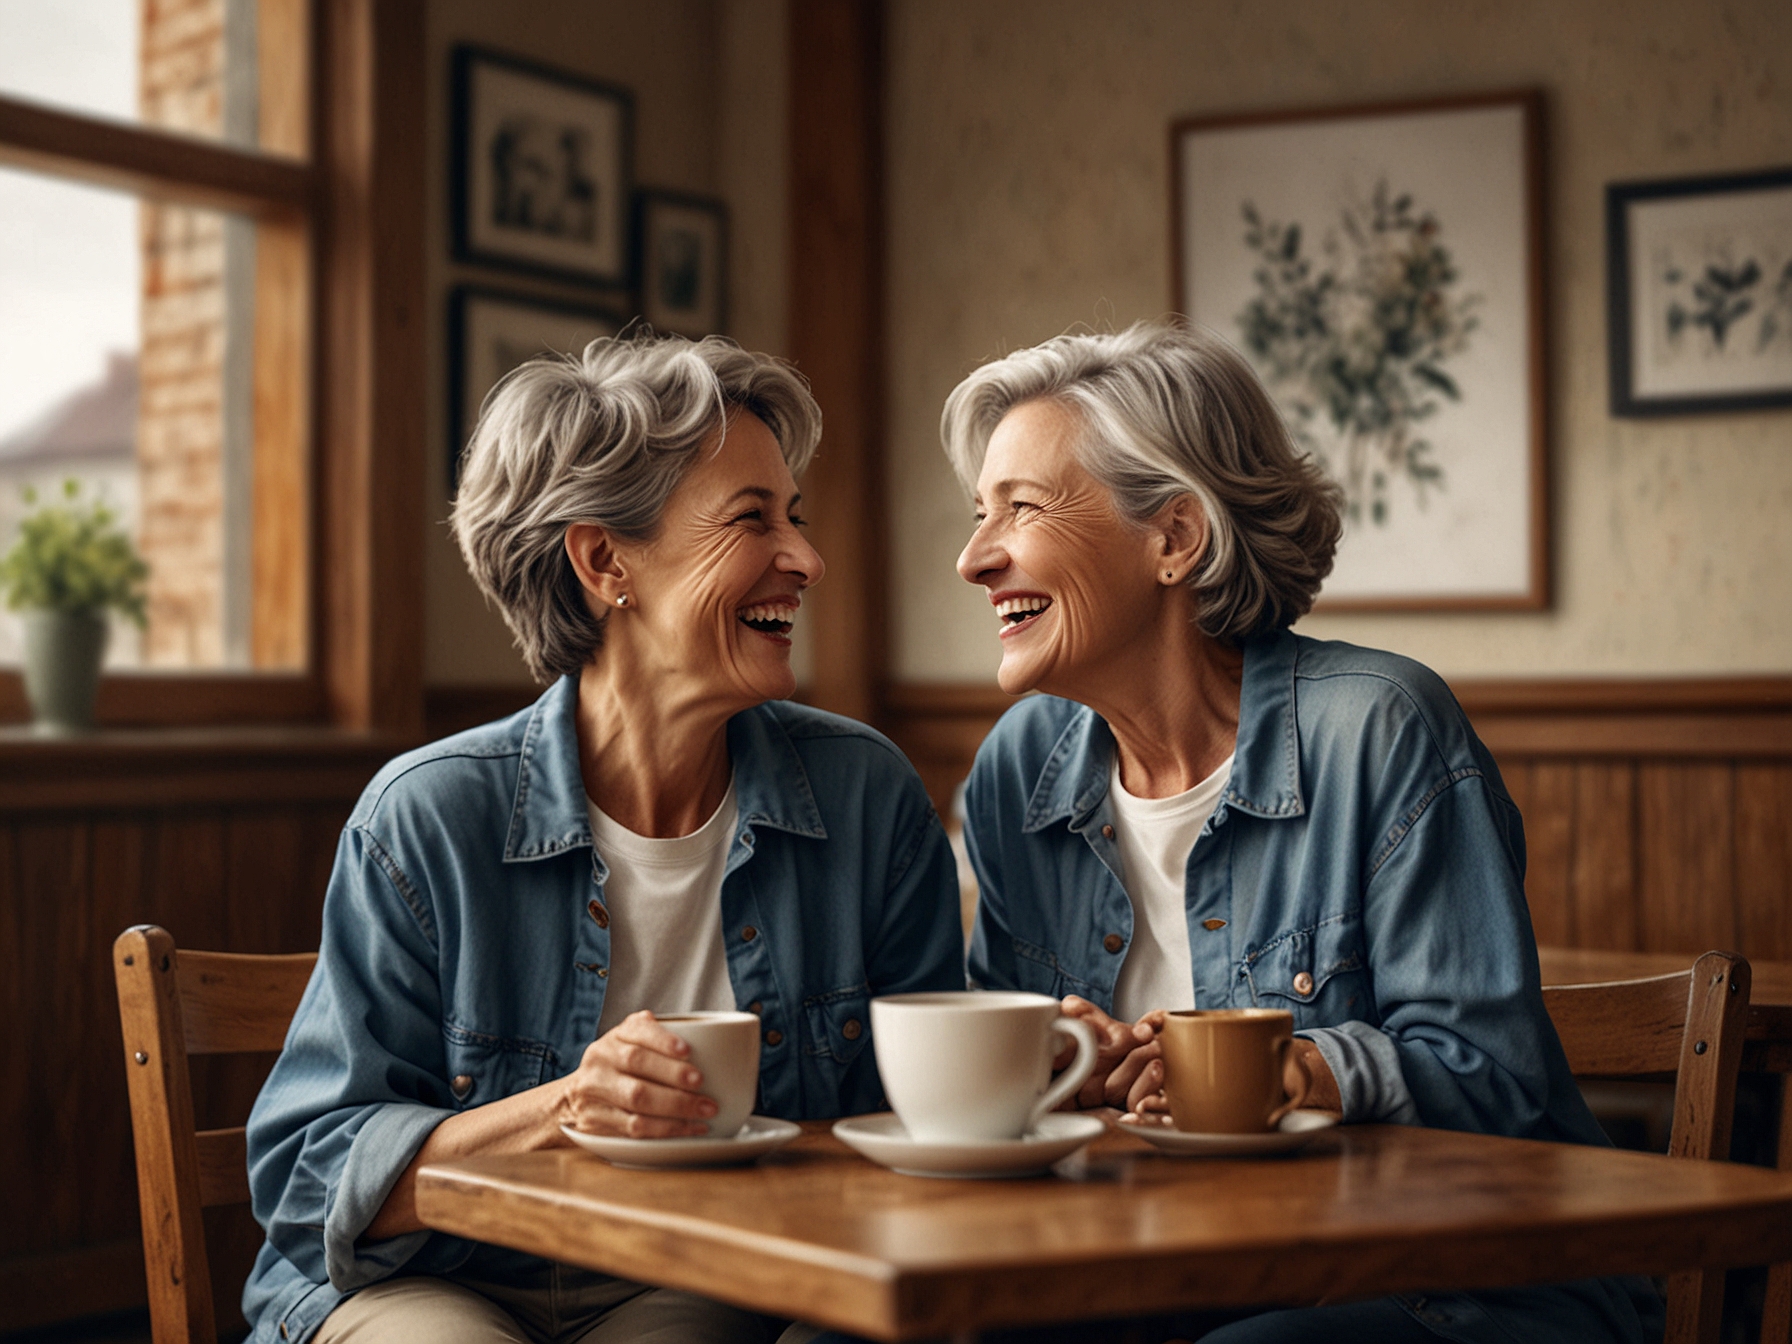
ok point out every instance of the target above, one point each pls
(1690, 1026)
(173, 1005)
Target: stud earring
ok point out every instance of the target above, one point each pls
(1170, 574)
(622, 601)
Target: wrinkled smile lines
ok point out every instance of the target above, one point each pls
(1018, 610)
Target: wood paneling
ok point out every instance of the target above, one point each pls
(1658, 815)
(202, 839)
(836, 333)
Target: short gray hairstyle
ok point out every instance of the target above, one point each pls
(1169, 409)
(601, 437)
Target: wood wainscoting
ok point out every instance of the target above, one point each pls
(226, 839)
(1658, 814)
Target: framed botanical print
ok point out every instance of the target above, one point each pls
(1381, 268)
(683, 267)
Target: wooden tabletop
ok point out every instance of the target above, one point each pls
(1769, 1045)
(817, 1233)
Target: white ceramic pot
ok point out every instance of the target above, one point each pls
(63, 651)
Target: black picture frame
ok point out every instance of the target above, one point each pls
(542, 169)
(491, 331)
(681, 261)
(1681, 341)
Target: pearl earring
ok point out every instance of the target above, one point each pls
(622, 601)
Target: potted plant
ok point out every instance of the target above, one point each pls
(71, 565)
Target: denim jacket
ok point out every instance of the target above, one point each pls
(1363, 869)
(465, 950)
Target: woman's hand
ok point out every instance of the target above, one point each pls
(1116, 1045)
(1147, 1099)
(636, 1081)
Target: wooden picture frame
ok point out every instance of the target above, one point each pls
(1381, 266)
(542, 169)
(1699, 293)
(681, 243)
(492, 331)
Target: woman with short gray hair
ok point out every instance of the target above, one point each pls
(1204, 810)
(514, 908)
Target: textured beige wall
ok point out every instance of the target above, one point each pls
(708, 80)
(1028, 191)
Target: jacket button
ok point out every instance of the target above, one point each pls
(1213, 925)
(596, 911)
(283, 1334)
(1113, 942)
(1107, 833)
(774, 1037)
(1303, 984)
(852, 1030)
(748, 934)
(755, 1007)
(461, 1086)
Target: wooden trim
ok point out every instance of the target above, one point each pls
(173, 768)
(151, 162)
(40, 1290)
(152, 699)
(281, 524)
(1628, 695)
(371, 364)
(450, 709)
(836, 333)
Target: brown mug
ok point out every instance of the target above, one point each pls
(1223, 1069)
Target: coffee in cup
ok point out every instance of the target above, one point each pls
(725, 1050)
(1223, 1069)
(975, 1066)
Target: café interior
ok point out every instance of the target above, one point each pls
(309, 305)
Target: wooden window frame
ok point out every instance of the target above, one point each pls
(337, 191)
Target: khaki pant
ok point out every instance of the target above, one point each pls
(569, 1306)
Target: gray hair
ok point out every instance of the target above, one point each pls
(601, 437)
(1168, 410)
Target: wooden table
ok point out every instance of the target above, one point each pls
(817, 1233)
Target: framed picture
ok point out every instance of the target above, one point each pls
(542, 169)
(1381, 268)
(490, 333)
(683, 266)
(1699, 280)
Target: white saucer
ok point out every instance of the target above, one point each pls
(883, 1139)
(1297, 1128)
(759, 1135)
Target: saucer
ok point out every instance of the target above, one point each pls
(759, 1135)
(883, 1139)
(1297, 1128)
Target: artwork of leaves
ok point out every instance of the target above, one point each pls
(1355, 336)
(1728, 303)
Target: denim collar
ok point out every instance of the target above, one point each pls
(550, 815)
(1265, 777)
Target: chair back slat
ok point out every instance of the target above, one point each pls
(174, 1004)
(223, 1166)
(1691, 1026)
(233, 1004)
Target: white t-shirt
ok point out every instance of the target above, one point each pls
(1154, 837)
(665, 904)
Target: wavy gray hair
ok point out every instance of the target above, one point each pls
(1168, 410)
(601, 437)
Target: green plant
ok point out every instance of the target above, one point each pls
(71, 556)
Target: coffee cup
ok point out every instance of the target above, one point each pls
(725, 1050)
(975, 1066)
(1223, 1069)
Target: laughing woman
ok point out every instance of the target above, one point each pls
(661, 831)
(1206, 810)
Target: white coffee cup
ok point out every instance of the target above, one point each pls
(975, 1066)
(725, 1050)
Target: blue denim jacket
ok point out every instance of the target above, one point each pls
(465, 950)
(1363, 869)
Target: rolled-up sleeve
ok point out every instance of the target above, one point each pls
(359, 1085)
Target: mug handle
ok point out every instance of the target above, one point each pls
(1074, 1076)
(1282, 1048)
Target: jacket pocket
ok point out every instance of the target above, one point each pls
(1319, 973)
(483, 1068)
(1038, 970)
(839, 1023)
